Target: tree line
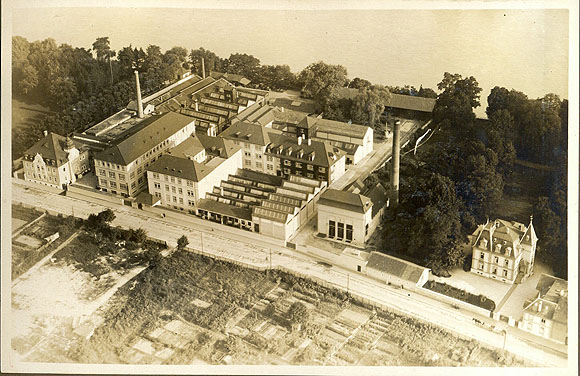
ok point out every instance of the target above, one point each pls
(458, 182)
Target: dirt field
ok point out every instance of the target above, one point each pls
(189, 308)
(58, 303)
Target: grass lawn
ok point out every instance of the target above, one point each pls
(176, 312)
(25, 114)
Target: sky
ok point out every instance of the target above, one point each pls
(526, 50)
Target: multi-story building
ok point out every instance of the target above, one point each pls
(547, 314)
(55, 161)
(253, 138)
(304, 157)
(504, 250)
(121, 168)
(180, 178)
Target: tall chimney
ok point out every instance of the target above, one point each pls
(139, 100)
(196, 106)
(202, 67)
(395, 160)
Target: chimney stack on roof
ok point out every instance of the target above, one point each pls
(396, 161)
(45, 132)
(196, 106)
(139, 100)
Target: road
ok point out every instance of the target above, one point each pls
(254, 249)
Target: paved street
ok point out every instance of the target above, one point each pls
(255, 249)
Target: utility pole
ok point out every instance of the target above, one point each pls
(504, 337)
(347, 283)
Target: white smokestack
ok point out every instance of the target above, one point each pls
(196, 106)
(396, 150)
(139, 100)
(202, 67)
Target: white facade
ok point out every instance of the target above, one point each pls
(184, 194)
(344, 225)
(130, 179)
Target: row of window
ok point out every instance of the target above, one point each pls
(496, 259)
(337, 231)
(494, 270)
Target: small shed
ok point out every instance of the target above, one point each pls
(395, 271)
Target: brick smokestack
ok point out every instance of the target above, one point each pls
(139, 100)
(202, 67)
(396, 161)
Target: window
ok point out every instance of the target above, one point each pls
(189, 183)
(141, 180)
(172, 179)
(258, 164)
(298, 164)
(247, 154)
(181, 201)
(155, 175)
(507, 262)
(269, 158)
(158, 194)
(180, 191)
(543, 321)
(248, 162)
(166, 177)
(104, 182)
(366, 229)
(113, 184)
(505, 273)
(173, 189)
(331, 229)
(190, 193)
(349, 233)
(287, 171)
(481, 265)
(310, 175)
(340, 234)
(179, 181)
(287, 163)
(132, 175)
(259, 156)
(166, 187)
(103, 173)
(133, 185)
(270, 167)
(157, 185)
(310, 167)
(191, 203)
(494, 271)
(482, 255)
(321, 169)
(174, 199)
(168, 198)
(121, 176)
(139, 170)
(123, 186)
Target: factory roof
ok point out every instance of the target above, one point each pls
(225, 209)
(247, 132)
(145, 135)
(345, 200)
(318, 153)
(396, 267)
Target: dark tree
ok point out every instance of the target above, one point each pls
(182, 242)
(457, 100)
(320, 81)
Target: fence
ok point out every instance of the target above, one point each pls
(453, 301)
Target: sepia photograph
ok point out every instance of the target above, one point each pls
(327, 187)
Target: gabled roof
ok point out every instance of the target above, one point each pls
(404, 102)
(51, 147)
(143, 137)
(247, 132)
(394, 266)
(379, 197)
(287, 116)
(345, 200)
(340, 128)
(235, 78)
(325, 155)
(217, 145)
(308, 122)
